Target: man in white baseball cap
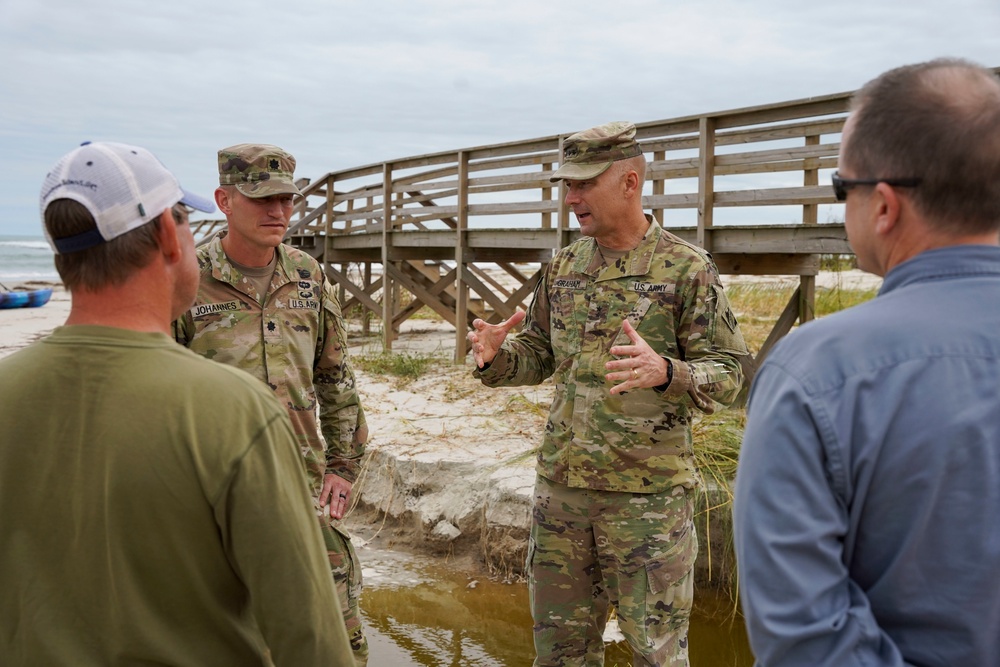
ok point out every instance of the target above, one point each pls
(140, 525)
(123, 187)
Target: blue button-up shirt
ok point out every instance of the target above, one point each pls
(867, 508)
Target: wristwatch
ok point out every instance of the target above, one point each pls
(670, 376)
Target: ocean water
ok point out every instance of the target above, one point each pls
(24, 259)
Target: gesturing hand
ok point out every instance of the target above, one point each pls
(640, 366)
(486, 338)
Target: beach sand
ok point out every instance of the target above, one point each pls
(22, 326)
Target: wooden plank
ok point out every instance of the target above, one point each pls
(672, 201)
(500, 255)
(780, 132)
(691, 171)
(534, 159)
(439, 254)
(824, 106)
(778, 154)
(506, 208)
(766, 265)
(536, 179)
(350, 216)
(811, 239)
(520, 239)
(776, 132)
(817, 194)
(426, 211)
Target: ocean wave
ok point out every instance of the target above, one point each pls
(27, 275)
(34, 245)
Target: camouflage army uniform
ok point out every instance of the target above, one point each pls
(623, 465)
(296, 344)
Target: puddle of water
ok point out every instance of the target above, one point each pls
(420, 613)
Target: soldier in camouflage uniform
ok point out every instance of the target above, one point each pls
(634, 325)
(268, 309)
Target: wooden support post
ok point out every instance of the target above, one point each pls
(366, 313)
(706, 180)
(562, 238)
(546, 196)
(328, 218)
(388, 284)
(345, 269)
(810, 216)
(461, 287)
(658, 184)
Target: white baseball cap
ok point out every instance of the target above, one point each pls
(122, 186)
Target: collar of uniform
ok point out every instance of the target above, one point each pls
(636, 262)
(224, 271)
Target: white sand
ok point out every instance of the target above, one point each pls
(21, 326)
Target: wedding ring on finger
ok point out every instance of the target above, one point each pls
(635, 376)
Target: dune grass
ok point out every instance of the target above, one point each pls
(717, 437)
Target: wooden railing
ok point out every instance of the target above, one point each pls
(744, 184)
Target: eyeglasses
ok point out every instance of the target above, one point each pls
(842, 185)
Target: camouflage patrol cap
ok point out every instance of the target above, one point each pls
(258, 170)
(588, 154)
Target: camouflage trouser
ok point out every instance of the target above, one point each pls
(347, 577)
(592, 549)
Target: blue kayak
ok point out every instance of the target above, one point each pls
(28, 299)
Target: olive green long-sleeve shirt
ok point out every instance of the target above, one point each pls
(154, 511)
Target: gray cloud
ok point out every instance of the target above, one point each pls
(344, 83)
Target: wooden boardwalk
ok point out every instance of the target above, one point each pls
(420, 231)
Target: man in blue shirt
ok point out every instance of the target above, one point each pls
(868, 489)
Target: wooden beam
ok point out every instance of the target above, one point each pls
(421, 292)
(499, 305)
(359, 294)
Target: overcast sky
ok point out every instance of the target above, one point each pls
(342, 84)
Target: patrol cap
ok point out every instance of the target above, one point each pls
(588, 154)
(258, 170)
(122, 186)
